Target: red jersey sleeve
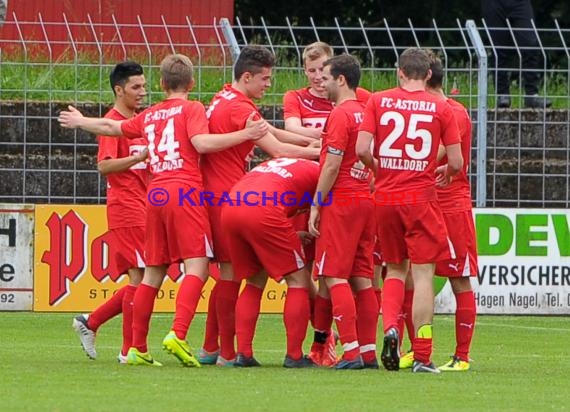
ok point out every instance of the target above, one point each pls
(132, 128)
(336, 133)
(369, 117)
(449, 129)
(240, 112)
(108, 147)
(362, 95)
(196, 121)
(291, 105)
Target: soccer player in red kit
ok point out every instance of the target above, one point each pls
(455, 202)
(228, 112)
(406, 125)
(345, 235)
(263, 242)
(305, 112)
(176, 132)
(122, 162)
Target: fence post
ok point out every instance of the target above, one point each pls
(481, 194)
(230, 37)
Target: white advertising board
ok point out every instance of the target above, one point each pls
(16, 256)
(524, 263)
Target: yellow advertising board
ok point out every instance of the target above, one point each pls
(73, 272)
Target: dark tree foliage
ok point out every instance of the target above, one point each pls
(397, 13)
(378, 13)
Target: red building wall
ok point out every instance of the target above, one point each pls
(87, 25)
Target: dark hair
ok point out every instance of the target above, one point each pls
(253, 59)
(436, 67)
(345, 65)
(121, 72)
(414, 62)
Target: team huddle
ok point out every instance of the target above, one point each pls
(361, 231)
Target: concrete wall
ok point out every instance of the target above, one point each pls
(523, 147)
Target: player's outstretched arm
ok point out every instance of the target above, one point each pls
(74, 119)
(445, 173)
(363, 144)
(275, 148)
(287, 136)
(108, 166)
(327, 178)
(209, 143)
(294, 124)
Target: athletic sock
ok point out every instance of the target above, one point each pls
(211, 332)
(367, 322)
(344, 314)
(187, 300)
(226, 312)
(296, 319)
(107, 310)
(247, 313)
(465, 317)
(143, 305)
(392, 301)
(128, 318)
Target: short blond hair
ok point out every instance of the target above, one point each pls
(317, 50)
(177, 72)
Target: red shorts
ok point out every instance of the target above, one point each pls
(219, 234)
(346, 244)
(128, 246)
(378, 261)
(262, 237)
(461, 231)
(416, 232)
(301, 224)
(175, 233)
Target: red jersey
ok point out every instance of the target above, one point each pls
(284, 183)
(312, 110)
(125, 190)
(408, 127)
(457, 195)
(168, 128)
(339, 135)
(228, 112)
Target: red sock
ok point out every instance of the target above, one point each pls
(312, 310)
(143, 305)
(322, 321)
(187, 299)
(323, 314)
(401, 327)
(247, 312)
(226, 312)
(408, 316)
(344, 314)
(392, 301)
(422, 348)
(367, 323)
(128, 318)
(378, 293)
(465, 316)
(296, 315)
(107, 310)
(211, 332)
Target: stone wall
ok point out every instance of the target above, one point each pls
(523, 146)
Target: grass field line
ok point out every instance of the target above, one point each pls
(507, 325)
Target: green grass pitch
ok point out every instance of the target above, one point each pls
(519, 363)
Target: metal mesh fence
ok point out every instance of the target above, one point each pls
(520, 156)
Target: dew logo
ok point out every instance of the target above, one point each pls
(67, 254)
